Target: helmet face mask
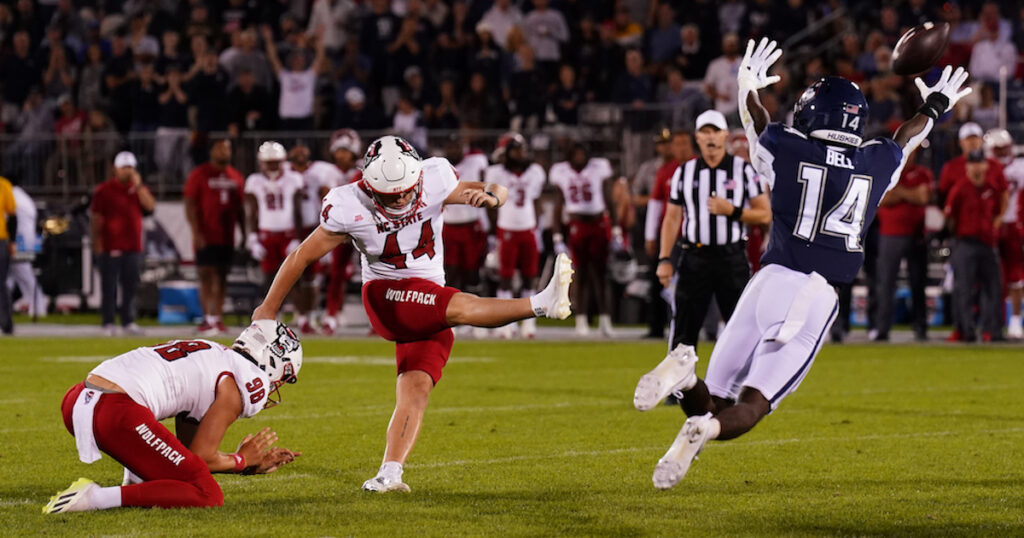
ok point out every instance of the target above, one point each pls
(832, 109)
(392, 172)
(276, 350)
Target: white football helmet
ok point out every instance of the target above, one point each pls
(346, 139)
(999, 145)
(392, 167)
(271, 151)
(275, 349)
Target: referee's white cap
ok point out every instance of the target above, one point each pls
(712, 117)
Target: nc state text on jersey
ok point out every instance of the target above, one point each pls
(384, 227)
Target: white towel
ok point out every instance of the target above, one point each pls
(815, 287)
(81, 418)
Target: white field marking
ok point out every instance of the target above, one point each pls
(373, 410)
(18, 502)
(82, 358)
(380, 360)
(768, 442)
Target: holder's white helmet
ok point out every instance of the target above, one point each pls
(392, 167)
(271, 151)
(275, 349)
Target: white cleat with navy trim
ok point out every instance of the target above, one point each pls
(677, 372)
(73, 499)
(384, 484)
(689, 442)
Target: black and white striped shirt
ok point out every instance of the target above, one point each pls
(694, 182)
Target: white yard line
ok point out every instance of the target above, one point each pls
(767, 442)
(373, 410)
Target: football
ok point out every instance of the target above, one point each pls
(919, 48)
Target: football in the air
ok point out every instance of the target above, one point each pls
(919, 48)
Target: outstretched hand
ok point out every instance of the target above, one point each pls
(274, 459)
(753, 71)
(950, 85)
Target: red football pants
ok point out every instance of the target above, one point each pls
(340, 273)
(129, 433)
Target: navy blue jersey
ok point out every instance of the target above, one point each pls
(823, 198)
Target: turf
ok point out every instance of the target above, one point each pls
(541, 439)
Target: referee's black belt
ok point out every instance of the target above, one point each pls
(731, 248)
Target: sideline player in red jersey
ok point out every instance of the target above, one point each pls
(999, 146)
(517, 222)
(465, 232)
(394, 217)
(213, 205)
(346, 146)
(584, 184)
(272, 205)
(119, 406)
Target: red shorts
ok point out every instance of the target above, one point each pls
(589, 240)
(129, 433)
(464, 245)
(517, 249)
(276, 244)
(412, 313)
(1011, 254)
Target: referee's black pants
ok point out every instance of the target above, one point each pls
(719, 271)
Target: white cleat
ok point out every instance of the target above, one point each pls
(383, 484)
(582, 326)
(677, 372)
(73, 499)
(673, 465)
(604, 324)
(528, 328)
(1013, 328)
(559, 306)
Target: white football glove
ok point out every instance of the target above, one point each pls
(256, 249)
(753, 71)
(292, 245)
(950, 85)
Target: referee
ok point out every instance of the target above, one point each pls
(719, 194)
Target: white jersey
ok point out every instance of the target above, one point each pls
(275, 200)
(26, 212)
(1014, 173)
(518, 212)
(390, 249)
(583, 191)
(181, 376)
(317, 175)
(470, 168)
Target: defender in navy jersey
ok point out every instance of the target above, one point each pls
(826, 184)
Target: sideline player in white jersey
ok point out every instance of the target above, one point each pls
(273, 204)
(517, 222)
(345, 148)
(826, 183)
(394, 216)
(316, 175)
(999, 146)
(584, 184)
(205, 387)
(465, 226)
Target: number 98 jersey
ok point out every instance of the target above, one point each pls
(182, 376)
(823, 197)
(395, 249)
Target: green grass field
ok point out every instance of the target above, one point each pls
(542, 439)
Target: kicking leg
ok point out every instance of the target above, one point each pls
(552, 302)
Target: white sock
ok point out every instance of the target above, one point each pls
(505, 294)
(582, 322)
(302, 320)
(604, 320)
(211, 320)
(716, 428)
(526, 292)
(391, 469)
(103, 498)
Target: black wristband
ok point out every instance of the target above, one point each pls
(737, 212)
(664, 260)
(934, 106)
(497, 201)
